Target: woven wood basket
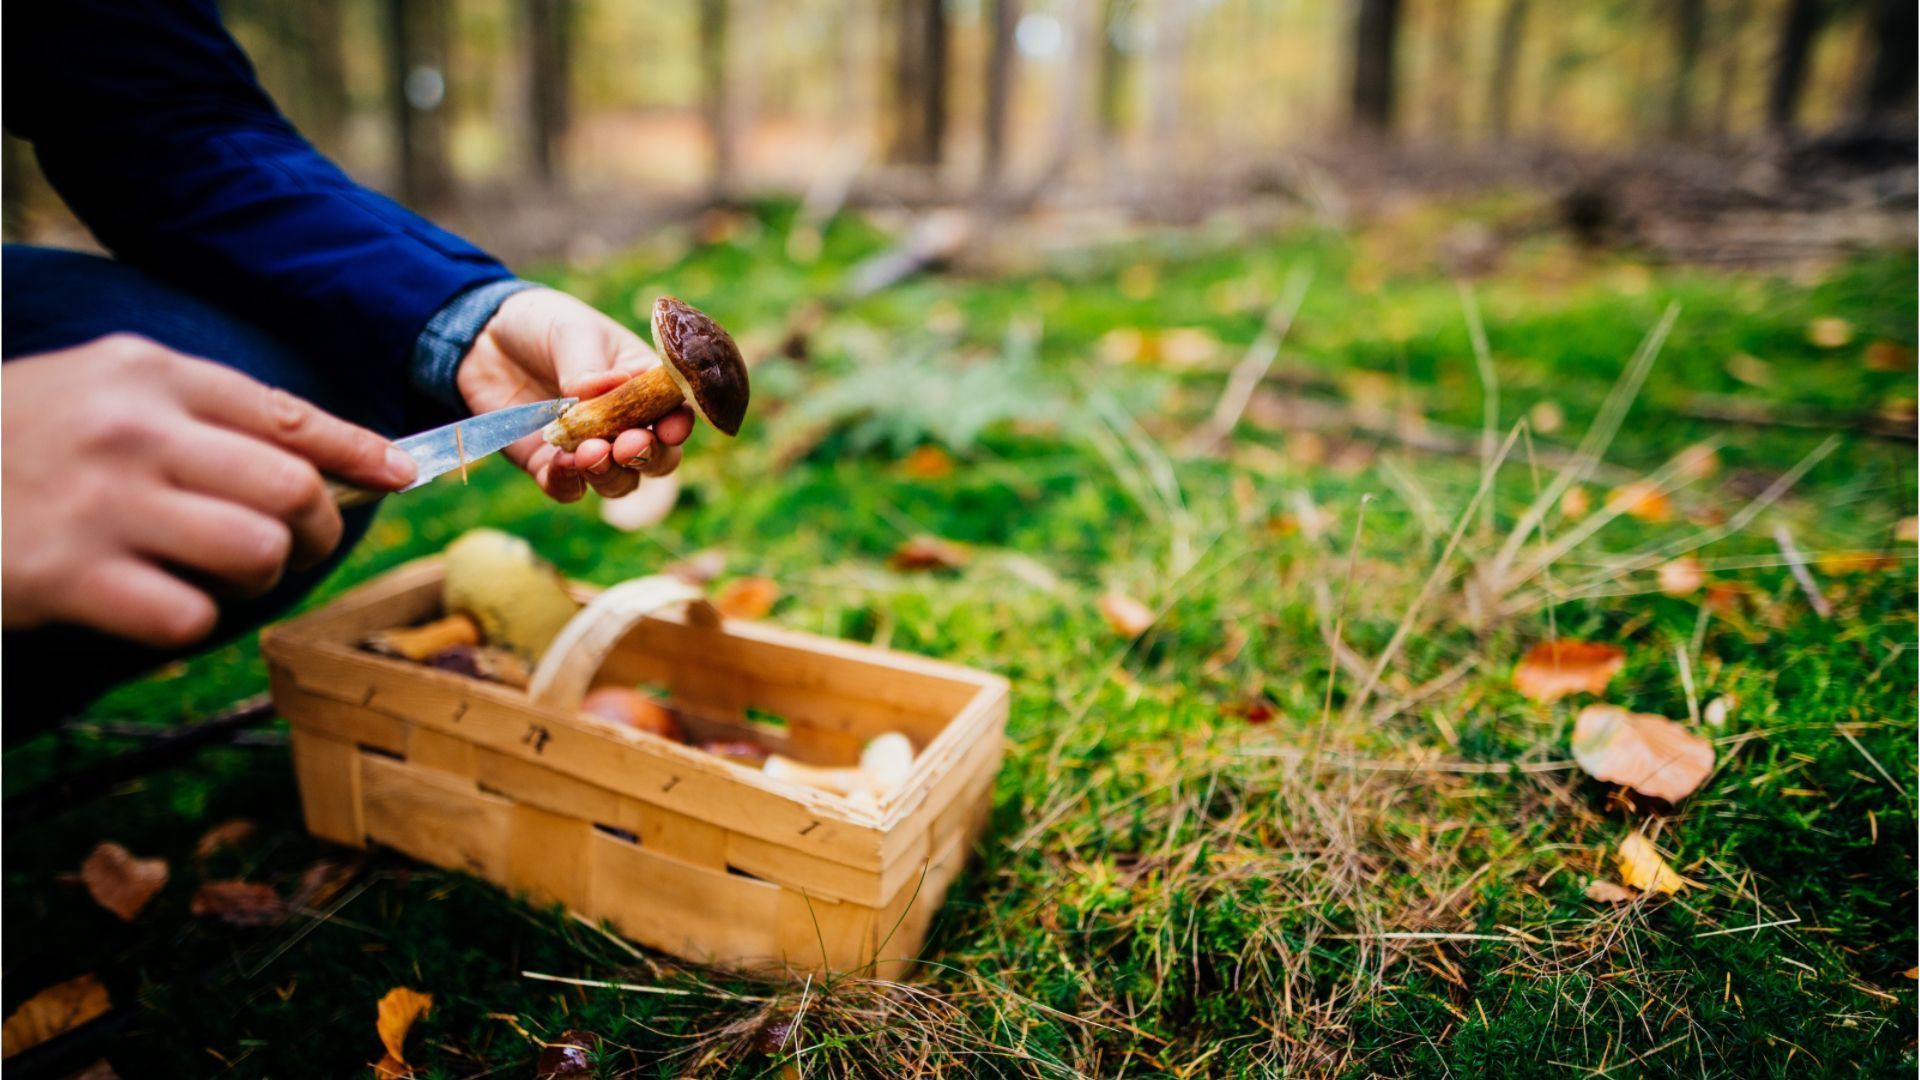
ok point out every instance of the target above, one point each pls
(677, 849)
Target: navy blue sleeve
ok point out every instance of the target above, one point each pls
(147, 119)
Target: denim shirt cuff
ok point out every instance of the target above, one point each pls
(438, 350)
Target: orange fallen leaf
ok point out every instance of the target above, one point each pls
(1606, 892)
(1840, 563)
(747, 598)
(395, 1016)
(391, 1068)
(1829, 332)
(239, 903)
(1127, 616)
(1683, 576)
(928, 463)
(228, 834)
(1650, 754)
(119, 882)
(1912, 973)
(1552, 670)
(1727, 597)
(1884, 355)
(929, 553)
(1642, 500)
(1642, 867)
(54, 1011)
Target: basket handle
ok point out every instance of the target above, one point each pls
(567, 669)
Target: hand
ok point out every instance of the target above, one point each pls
(544, 344)
(137, 479)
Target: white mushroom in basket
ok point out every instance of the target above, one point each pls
(884, 764)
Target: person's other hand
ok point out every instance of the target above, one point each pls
(544, 344)
(138, 481)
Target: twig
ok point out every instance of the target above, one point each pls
(1797, 565)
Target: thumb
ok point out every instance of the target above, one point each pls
(594, 354)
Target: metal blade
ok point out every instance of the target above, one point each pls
(442, 449)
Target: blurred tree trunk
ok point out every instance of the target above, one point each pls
(1736, 18)
(1506, 65)
(1374, 34)
(1000, 59)
(1689, 26)
(716, 97)
(1113, 72)
(416, 52)
(1889, 98)
(919, 82)
(1165, 79)
(1443, 82)
(549, 100)
(1799, 26)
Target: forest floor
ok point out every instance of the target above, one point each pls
(1199, 863)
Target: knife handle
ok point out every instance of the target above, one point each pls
(346, 496)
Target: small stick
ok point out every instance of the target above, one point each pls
(1797, 563)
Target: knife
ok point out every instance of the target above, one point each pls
(445, 449)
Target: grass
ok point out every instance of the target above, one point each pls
(1199, 863)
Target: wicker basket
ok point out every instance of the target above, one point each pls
(678, 849)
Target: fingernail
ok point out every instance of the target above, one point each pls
(400, 466)
(637, 461)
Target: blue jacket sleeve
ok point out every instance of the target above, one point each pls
(147, 119)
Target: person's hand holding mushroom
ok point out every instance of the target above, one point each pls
(543, 344)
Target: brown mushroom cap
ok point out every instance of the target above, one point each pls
(704, 362)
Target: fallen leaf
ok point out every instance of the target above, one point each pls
(1254, 710)
(1907, 530)
(323, 881)
(1127, 616)
(1606, 892)
(645, 506)
(1886, 355)
(1643, 501)
(397, 1012)
(1575, 503)
(700, 567)
(1683, 576)
(1912, 973)
(54, 1011)
(391, 1068)
(228, 834)
(1719, 710)
(119, 882)
(1727, 597)
(928, 463)
(1829, 332)
(1642, 867)
(1552, 670)
(929, 553)
(568, 1057)
(239, 903)
(1650, 754)
(747, 598)
(1839, 563)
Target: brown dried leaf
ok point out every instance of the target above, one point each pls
(54, 1011)
(242, 904)
(1683, 576)
(1552, 670)
(929, 553)
(1650, 754)
(568, 1057)
(928, 463)
(397, 1012)
(1127, 616)
(323, 881)
(119, 882)
(747, 598)
(1642, 867)
(1884, 355)
(236, 833)
(1606, 892)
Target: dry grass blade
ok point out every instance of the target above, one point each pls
(1253, 367)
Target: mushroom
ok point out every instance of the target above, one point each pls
(739, 751)
(884, 764)
(631, 708)
(421, 642)
(483, 662)
(703, 368)
(518, 598)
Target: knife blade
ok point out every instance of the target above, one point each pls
(444, 449)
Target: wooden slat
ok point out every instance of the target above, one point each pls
(432, 749)
(676, 836)
(538, 785)
(328, 772)
(434, 817)
(822, 935)
(705, 916)
(798, 870)
(547, 857)
(340, 720)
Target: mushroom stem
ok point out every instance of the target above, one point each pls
(636, 403)
(423, 641)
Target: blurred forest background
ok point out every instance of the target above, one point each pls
(568, 128)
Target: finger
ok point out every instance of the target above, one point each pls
(136, 600)
(594, 456)
(632, 448)
(231, 543)
(561, 479)
(664, 460)
(674, 427)
(334, 446)
(615, 483)
(594, 385)
(228, 465)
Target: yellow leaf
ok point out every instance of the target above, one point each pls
(1552, 670)
(1650, 754)
(1642, 867)
(54, 1011)
(119, 882)
(397, 1012)
(1127, 616)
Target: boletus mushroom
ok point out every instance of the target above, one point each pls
(631, 708)
(518, 598)
(703, 367)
